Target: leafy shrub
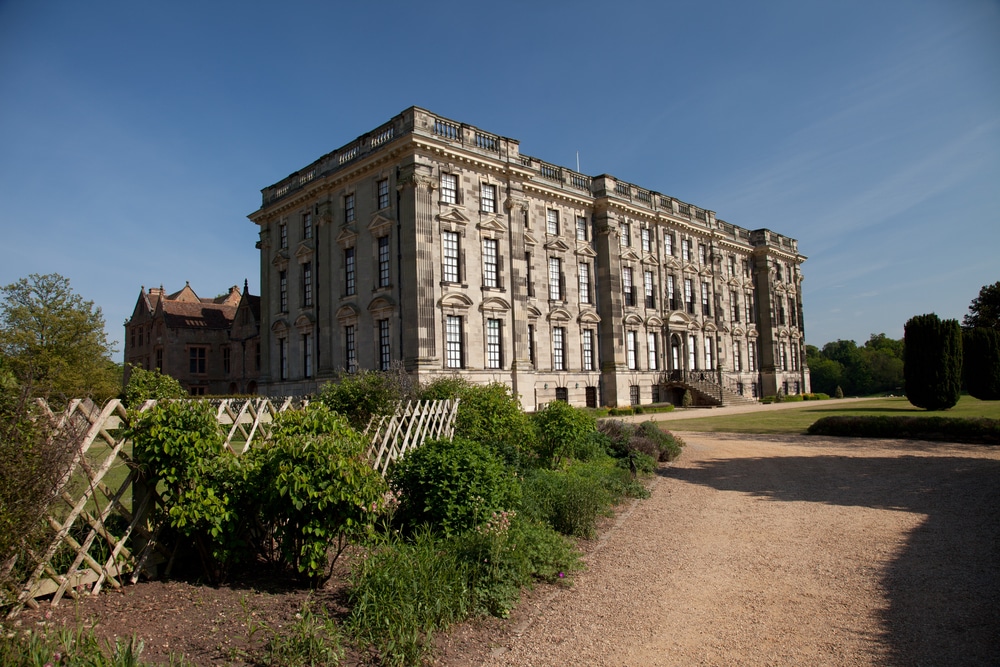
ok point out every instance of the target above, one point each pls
(365, 394)
(627, 440)
(794, 398)
(668, 446)
(618, 412)
(452, 485)
(945, 429)
(402, 592)
(569, 502)
(839, 393)
(560, 428)
(687, 399)
(817, 396)
(317, 487)
(488, 414)
(33, 460)
(144, 385)
(180, 445)
(314, 638)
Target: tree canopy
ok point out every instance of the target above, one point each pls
(54, 341)
(984, 311)
(876, 367)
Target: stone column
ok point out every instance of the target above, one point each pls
(609, 306)
(417, 240)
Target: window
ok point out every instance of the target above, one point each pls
(793, 311)
(795, 358)
(584, 282)
(558, 348)
(777, 271)
(709, 348)
(449, 241)
(552, 222)
(737, 357)
(488, 198)
(633, 394)
(591, 397)
(383, 193)
(283, 290)
(748, 306)
(196, 391)
(307, 355)
(581, 228)
(671, 295)
(705, 309)
(350, 284)
(781, 314)
(627, 288)
(449, 188)
(383, 261)
(528, 278)
(491, 276)
(668, 243)
(555, 279)
(159, 358)
(562, 394)
(702, 253)
(350, 350)
(689, 295)
(349, 208)
(631, 349)
(307, 285)
(197, 360)
(746, 268)
(686, 250)
(227, 360)
(732, 266)
(752, 355)
(651, 349)
(588, 349)
(384, 349)
(494, 347)
(307, 225)
(734, 306)
(531, 344)
(626, 234)
(647, 281)
(283, 235)
(283, 358)
(644, 240)
(784, 356)
(692, 353)
(453, 341)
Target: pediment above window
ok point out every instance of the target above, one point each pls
(455, 301)
(680, 319)
(559, 315)
(280, 260)
(305, 321)
(584, 250)
(348, 313)
(650, 260)
(556, 244)
(529, 239)
(671, 263)
(738, 331)
(533, 313)
(631, 255)
(710, 326)
(280, 325)
(653, 322)
(348, 237)
(492, 225)
(589, 316)
(379, 225)
(381, 307)
(304, 252)
(453, 216)
(633, 320)
(494, 304)
(705, 271)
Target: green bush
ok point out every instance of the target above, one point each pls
(627, 440)
(943, 429)
(932, 362)
(366, 394)
(402, 592)
(561, 428)
(794, 398)
(668, 446)
(316, 486)
(144, 385)
(488, 414)
(839, 393)
(70, 647)
(568, 502)
(180, 445)
(452, 485)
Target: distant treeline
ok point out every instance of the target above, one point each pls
(874, 368)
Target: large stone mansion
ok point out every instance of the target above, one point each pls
(440, 246)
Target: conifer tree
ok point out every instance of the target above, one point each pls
(932, 362)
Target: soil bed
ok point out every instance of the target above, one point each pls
(752, 550)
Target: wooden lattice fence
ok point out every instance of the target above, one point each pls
(100, 539)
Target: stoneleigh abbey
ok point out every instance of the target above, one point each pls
(441, 247)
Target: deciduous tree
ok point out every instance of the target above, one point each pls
(54, 341)
(984, 311)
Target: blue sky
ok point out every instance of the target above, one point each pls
(135, 137)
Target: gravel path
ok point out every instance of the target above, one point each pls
(787, 550)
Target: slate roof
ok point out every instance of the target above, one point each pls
(189, 315)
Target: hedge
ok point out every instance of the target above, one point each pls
(979, 430)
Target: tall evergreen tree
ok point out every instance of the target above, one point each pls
(932, 362)
(981, 352)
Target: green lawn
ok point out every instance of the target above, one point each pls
(798, 419)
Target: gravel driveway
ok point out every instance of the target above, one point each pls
(786, 550)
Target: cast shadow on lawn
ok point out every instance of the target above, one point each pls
(944, 588)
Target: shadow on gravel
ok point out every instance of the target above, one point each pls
(944, 588)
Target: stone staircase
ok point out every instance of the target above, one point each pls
(711, 391)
